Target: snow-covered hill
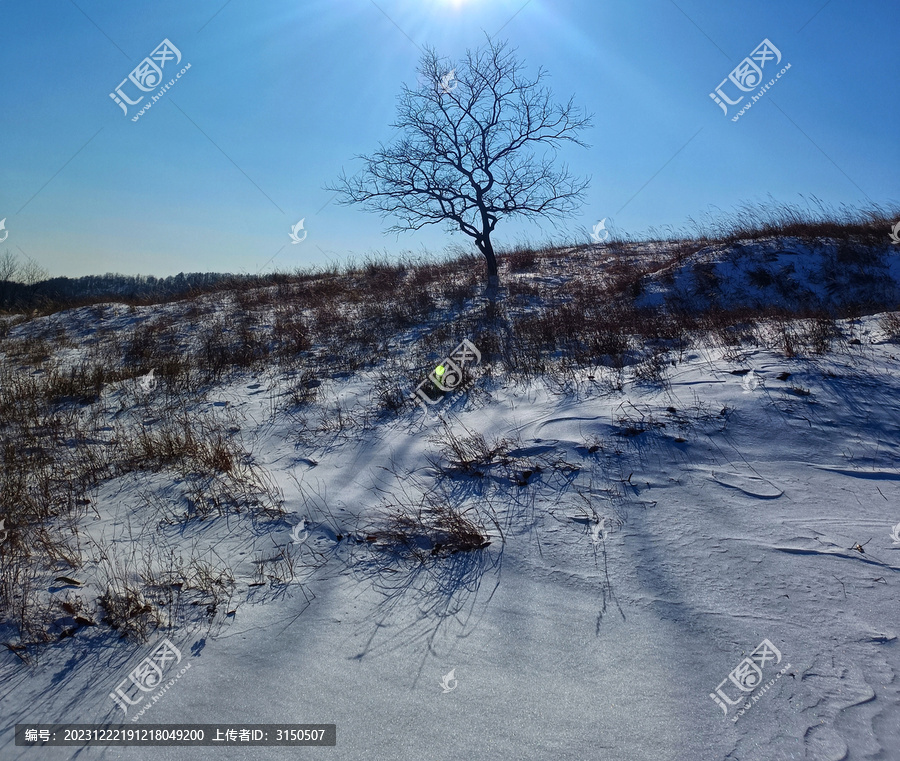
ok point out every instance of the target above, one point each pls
(734, 513)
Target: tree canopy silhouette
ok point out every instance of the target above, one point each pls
(467, 154)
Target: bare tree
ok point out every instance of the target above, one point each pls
(14, 274)
(28, 272)
(467, 155)
(31, 273)
(9, 266)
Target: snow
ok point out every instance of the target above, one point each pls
(664, 533)
(782, 272)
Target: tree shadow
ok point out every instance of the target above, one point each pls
(424, 593)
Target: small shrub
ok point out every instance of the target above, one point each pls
(653, 369)
(129, 612)
(760, 277)
(390, 395)
(521, 260)
(890, 324)
(472, 452)
(430, 531)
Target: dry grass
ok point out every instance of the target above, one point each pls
(429, 531)
(890, 324)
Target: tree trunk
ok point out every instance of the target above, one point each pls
(487, 249)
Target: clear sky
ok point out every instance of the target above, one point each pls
(281, 95)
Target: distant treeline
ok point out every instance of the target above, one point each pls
(66, 292)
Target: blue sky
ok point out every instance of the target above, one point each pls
(280, 96)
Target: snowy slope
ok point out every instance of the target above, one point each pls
(786, 272)
(664, 533)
